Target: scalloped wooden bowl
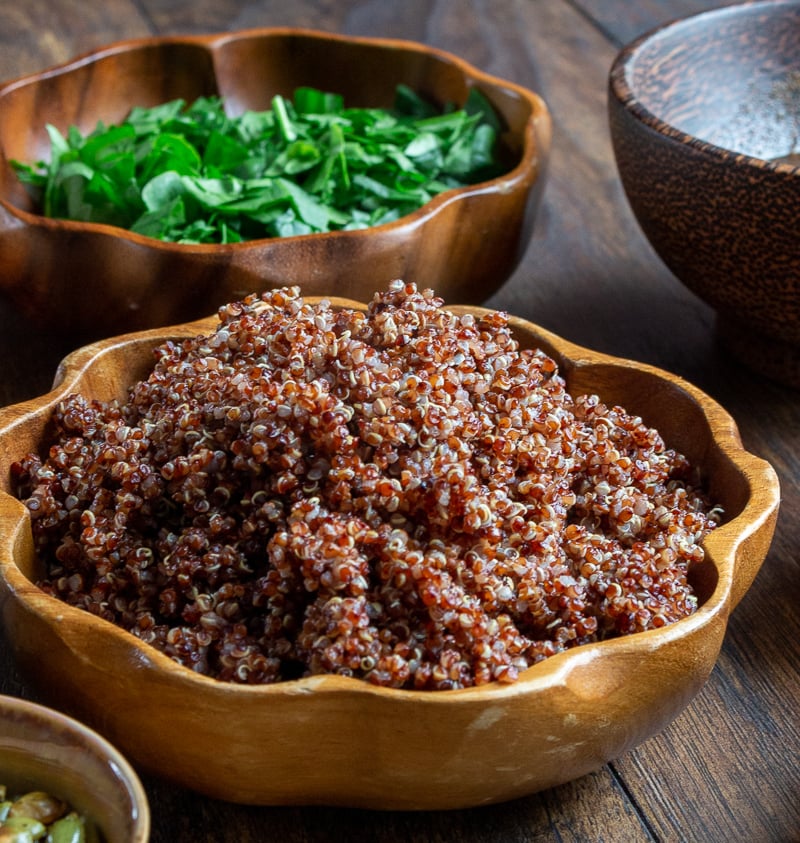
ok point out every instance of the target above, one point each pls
(42, 749)
(705, 121)
(94, 280)
(336, 740)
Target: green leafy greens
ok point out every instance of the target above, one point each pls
(194, 174)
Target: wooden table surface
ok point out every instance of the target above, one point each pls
(727, 768)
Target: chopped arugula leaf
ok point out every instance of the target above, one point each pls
(195, 174)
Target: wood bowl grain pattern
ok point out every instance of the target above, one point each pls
(90, 280)
(42, 749)
(340, 741)
(705, 119)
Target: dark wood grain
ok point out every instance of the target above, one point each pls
(727, 768)
(623, 24)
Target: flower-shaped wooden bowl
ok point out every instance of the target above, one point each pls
(705, 120)
(92, 280)
(41, 749)
(338, 740)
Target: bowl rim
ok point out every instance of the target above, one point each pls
(530, 166)
(724, 544)
(622, 91)
(118, 765)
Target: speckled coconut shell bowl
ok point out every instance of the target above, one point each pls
(705, 121)
(93, 280)
(339, 740)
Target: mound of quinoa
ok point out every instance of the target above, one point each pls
(403, 496)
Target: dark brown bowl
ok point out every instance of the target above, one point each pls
(705, 122)
(91, 280)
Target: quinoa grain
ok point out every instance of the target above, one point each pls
(403, 495)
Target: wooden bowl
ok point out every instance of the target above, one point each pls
(42, 749)
(341, 741)
(705, 120)
(91, 280)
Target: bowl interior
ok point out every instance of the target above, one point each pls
(248, 69)
(729, 77)
(41, 749)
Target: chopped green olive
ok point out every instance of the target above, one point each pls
(69, 829)
(21, 830)
(38, 805)
(38, 817)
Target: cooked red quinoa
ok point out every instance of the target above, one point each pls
(402, 495)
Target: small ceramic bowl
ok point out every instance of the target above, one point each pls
(91, 280)
(341, 741)
(43, 750)
(705, 122)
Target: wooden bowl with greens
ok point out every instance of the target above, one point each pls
(154, 180)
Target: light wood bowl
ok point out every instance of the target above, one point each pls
(42, 749)
(91, 281)
(340, 741)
